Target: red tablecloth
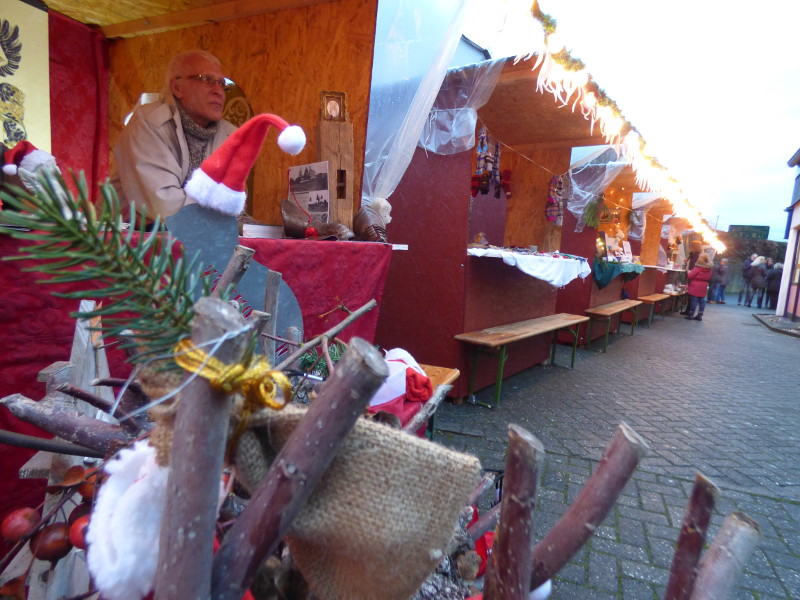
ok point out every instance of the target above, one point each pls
(323, 274)
(36, 330)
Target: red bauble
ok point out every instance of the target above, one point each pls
(19, 523)
(51, 542)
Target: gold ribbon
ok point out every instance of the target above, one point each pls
(258, 383)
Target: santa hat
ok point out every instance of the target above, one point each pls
(25, 156)
(219, 183)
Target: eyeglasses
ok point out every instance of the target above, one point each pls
(209, 80)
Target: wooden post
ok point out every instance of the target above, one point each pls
(335, 144)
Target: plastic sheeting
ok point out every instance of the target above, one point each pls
(415, 42)
(588, 178)
(452, 121)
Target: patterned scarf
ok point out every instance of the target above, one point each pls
(197, 138)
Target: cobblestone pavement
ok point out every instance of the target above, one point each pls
(719, 396)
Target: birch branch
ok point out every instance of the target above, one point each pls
(508, 574)
(196, 459)
(330, 334)
(486, 522)
(85, 431)
(691, 539)
(235, 269)
(22, 440)
(724, 561)
(297, 469)
(132, 426)
(484, 484)
(271, 307)
(428, 409)
(591, 506)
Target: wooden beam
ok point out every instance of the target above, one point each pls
(215, 13)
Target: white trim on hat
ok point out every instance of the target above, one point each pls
(212, 194)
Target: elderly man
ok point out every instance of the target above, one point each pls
(165, 141)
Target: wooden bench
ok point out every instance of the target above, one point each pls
(499, 337)
(652, 300)
(605, 312)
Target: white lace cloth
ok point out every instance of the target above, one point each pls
(555, 270)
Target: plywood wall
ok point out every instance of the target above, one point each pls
(282, 61)
(530, 180)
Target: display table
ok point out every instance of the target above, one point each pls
(605, 271)
(556, 269)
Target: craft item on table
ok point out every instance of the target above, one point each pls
(388, 504)
(556, 269)
(219, 183)
(505, 183)
(554, 211)
(405, 390)
(27, 161)
(480, 179)
(496, 179)
(370, 222)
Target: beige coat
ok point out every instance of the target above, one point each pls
(152, 159)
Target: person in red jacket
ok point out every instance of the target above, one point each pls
(698, 278)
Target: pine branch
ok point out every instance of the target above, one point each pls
(143, 286)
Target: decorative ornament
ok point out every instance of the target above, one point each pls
(220, 181)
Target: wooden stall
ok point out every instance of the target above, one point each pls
(435, 291)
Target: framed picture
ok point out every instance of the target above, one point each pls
(333, 106)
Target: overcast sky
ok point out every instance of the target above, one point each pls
(713, 86)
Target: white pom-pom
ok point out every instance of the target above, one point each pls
(10, 169)
(292, 140)
(125, 525)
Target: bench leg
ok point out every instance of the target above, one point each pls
(652, 312)
(575, 335)
(501, 363)
(635, 312)
(608, 329)
(553, 348)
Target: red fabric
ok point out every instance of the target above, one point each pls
(483, 544)
(78, 99)
(418, 391)
(418, 386)
(324, 273)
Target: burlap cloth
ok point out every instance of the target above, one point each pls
(380, 519)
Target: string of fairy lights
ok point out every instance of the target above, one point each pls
(567, 79)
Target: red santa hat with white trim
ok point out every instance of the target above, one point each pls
(25, 156)
(219, 183)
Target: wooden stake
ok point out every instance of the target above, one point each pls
(591, 506)
(82, 430)
(724, 562)
(508, 574)
(692, 538)
(196, 459)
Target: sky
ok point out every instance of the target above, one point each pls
(713, 86)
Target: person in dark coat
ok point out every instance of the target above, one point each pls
(758, 281)
(697, 289)
(746, 278)
(774, 285)
(722, 272)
